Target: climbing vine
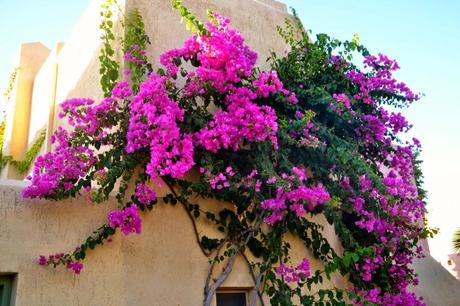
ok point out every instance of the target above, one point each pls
(11, 81)
(21, 165)
(309, 137)
(31, 154)
(109, 66)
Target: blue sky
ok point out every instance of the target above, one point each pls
(47, 21)
(424, 36)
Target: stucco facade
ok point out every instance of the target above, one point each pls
(164, 265)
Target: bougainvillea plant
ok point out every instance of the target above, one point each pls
(311, 136)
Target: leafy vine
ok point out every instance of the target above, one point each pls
(11, 81)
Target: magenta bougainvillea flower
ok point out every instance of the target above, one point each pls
(127, 220)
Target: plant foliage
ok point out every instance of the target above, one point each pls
(309, 139)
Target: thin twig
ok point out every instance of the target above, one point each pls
(211, 267)
(222, 277)
(250, 267)
(257, 291)
(195, 229)
(256, 283)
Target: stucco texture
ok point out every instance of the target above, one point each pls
(162, 266)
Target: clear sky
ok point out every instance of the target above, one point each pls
(45, 21)
(424, 35)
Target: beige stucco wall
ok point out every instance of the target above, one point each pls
(255, 19)
(162, 266)
(42, 108)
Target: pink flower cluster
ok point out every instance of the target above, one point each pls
(294, 197)
(251, 181)
(368, 266)
(397, 222)
(60, 258)
(294, 274)
(224, 62)
(373, 129)
(381, 79)
(80, 114)
(398, 123)
(243, 120)
(76, 266)
(268, 83)
(57, 171)
(220, 180)
(121, 90)
(135, 55)
(223, 55)
(144, 194)
(127, 219)
(305, 136)
(229, 178)
(388, 299)
(83, 114)
(381, 126)
(154, 124)
(342, 98)
(337, 61)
